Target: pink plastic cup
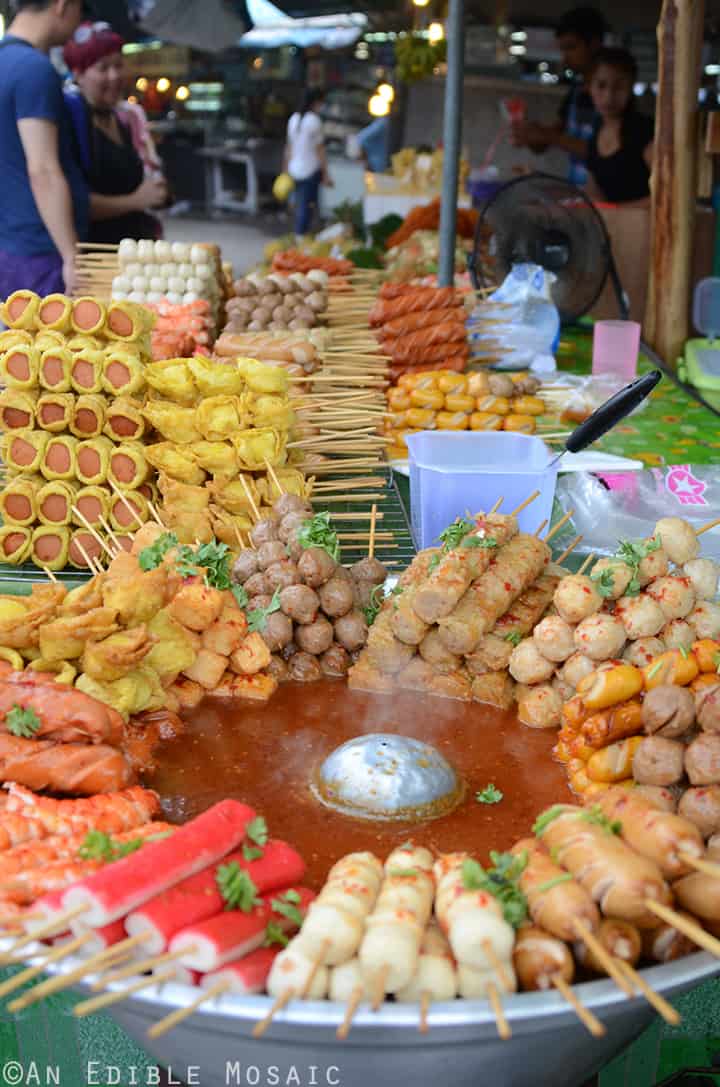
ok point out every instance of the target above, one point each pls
(615, 348)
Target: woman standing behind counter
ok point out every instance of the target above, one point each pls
(306, 159)
(120, 193)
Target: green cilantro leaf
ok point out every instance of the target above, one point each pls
(598, 818)
(514, 637)
(275, 935)
(480, 541)
(251, 852)
(318, 532)
(258, 617)
(453, 535)
(236, 887)
(372, 610)
(550, 883)
(241, 596)
(287, 907)
(489, 795)
(98, 846)
(22, 722)
(604, 582)
(501, 881)
(434, 561)
(151, 557)
(257, 831)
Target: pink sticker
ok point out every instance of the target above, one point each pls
(685, 487)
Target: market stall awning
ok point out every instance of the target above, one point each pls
(272, 27)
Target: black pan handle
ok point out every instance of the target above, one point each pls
(611, 412)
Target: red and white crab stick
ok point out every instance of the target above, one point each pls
(198, 898)
(113, 891)
(245, 976)
(230, 935)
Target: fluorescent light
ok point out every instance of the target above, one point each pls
(712, 69)
(517, 50)
(518, 36)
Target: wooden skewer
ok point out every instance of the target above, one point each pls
(585, 565)
(497, 965)
(113, 538)
(18, 919)
(155, 514)
(556, 528)
(49, 574)
(57, 953)
(169, 1021)
(503, 1027)
(524, 505)
(138, 966)
(659, 1003)
(316, 964)
(373, 519)
(425, 997)
(584, 1014)
(353, 1004)
(273, 476)
(706, 528)
(379, 986)
(95, 1003)
(691, 929)
(701, 865)
(568, 550)
(498, 504)
(248, 495)
(52, 928)
(93, 532)
(133, 513)
(238, 536)
(541, 526)
(605, 959)
(284, 999)
(96, 569)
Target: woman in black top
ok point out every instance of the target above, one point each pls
(120, 193)
(620, 152)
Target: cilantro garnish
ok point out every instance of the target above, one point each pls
(98, 846)
(287, 906)
(372, 610)
(489, 795)
(598, 818)
(214, 557)
(317, 532)
(501, 881)
(480, 541)
(514, 637)
(434, 561)
(604, 582)
(258, 617)
(453, 535)
(257, 833)
(550, 883)
(236, 887)
(22, 722)
(151, 557)
(275, 935)
(241, 596)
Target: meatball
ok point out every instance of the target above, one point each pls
(270, 552)
(677, 634)
(576, 598)
(289, 526)
(668, 711)
(300, 602)
(277, 668)
(702, 807)
(705, 619)
(703, 574)
(528, 665)
(304, 668)
(617, 576)
(540, 707)
(707, 707)
(336, 596)
(643, 651)
(365, 594)
(315, 637)
(257, 585)
(292, 503)
(245, 565)
(661, 798)
(576, 668)
(278, 631)
(564, 689)
(675, 595)
(264, 532)
(335, 661)
(678, 539)
(658, 761)
(655, 564)
(553, 638)
(368, 569)
(281, 575)
(641, 616)
(316, 566)
(702, 759)
(600, 637)
(501, 385)
(351, 630)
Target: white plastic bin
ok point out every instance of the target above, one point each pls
(453, 473)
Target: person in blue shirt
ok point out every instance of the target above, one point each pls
(374, 142)
(45, 200)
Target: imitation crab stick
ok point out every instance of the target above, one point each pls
(245, 976)
(121, 887)
(234, 933)
(198, 898)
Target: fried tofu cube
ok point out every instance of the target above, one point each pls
(257, 688)
(196, 606)
(207, 669)
(224, 688)
(226, 633)
(188, 693)
(251, 656)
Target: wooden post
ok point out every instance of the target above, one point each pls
(674, 179)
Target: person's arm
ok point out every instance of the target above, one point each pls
(152, 193)
(49, 186)
(539, 138)
(648, 155)
(322, 156)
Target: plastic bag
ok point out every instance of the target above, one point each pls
(575, 398)
(519, 323)
(628, 505)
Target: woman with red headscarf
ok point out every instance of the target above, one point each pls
(120, 193)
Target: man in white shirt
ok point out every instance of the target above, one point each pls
(306, 159)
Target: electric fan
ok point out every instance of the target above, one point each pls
(540, 219)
